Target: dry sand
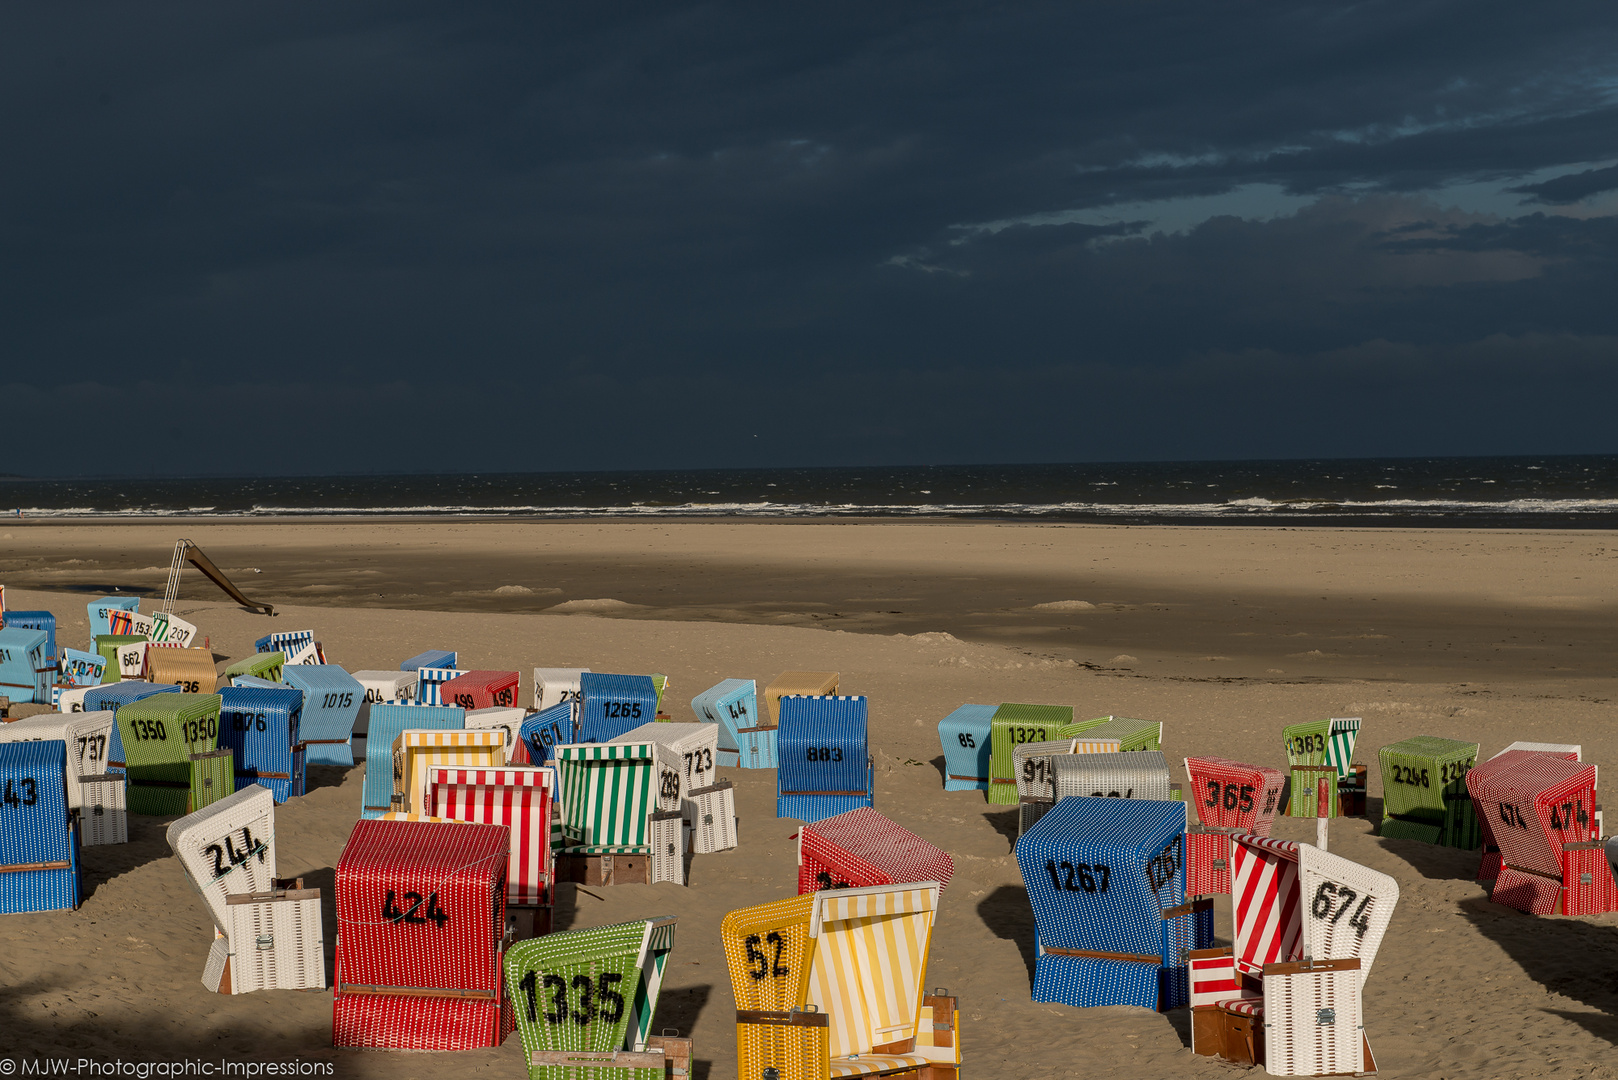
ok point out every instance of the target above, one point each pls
(1223, 634)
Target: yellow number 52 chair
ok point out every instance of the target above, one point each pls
(830, 984)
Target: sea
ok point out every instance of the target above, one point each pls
(1474, 492)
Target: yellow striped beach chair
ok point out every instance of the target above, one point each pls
(417, 750)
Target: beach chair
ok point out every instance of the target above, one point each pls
(609, 793)
(432, 658)
(267, 666)
(1140, 774)
(35, 620)
(612, 705)
(430, 684)
(585, 1000)
(159, 733)
(1424, 793)
(68, 699)
(130, 623)
(1033, 764)
(824, 765)
(711, 813)
(80, 668)
(831, 984)
(544, 731)
(1106, 881)
(387, 687)
(1234, 795)
(1014, 725)
(170, 629)
(795, 684)
(1297, 905)
(100, 612)
(964, 735)
(386, 724)
(95, 794)
(1313, 792)
(111, 697)
(733, 705)
(189, 669)
(25, 675)
(520, 799)
(39, 834)
(1538, 805)
(555, 686)
(331, 706)
(299, 647)
(416, 751)
(506, 720)
(227, 847)
(125, 655)
(1489, 861)
(481, 690)
(421, 922)
(264, 729)
(1132, 734)
(693, 748)
(862, 847)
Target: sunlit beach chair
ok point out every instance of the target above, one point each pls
(387, 687)
(113, 696)
(1424, 794)
(432, 658)
(159, 733)
(125, 655)
(711, 814)
(733, 705)
(39, 834)
(481, 690)
(1106, 881)
(387, 722)
(824, 765)
(1014, 725)
(266, 665)
(862, 847)
(298, 646)
(97, 798)
(189, 669)
(25, 674)
(544, 731)
(264, 729)
(36, 620)
(831, 984)
(795, 684)
(1033, 764)
(1539, 805)
(964, 735)
(506, 720)
(585, 1001)
(331, 705)
(213, 777)
(421, 921)
(1131, 734)
(610, 705)
(100, 612)
(417, 751)
(1141, 774)
(1234, 795)
(1489, 862)
(609, 797)
(520, 799)
(692, 748)
(430, 684)
(80, 668)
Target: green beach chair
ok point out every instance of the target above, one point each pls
(159, 734)
(108, 645)
(264, 665)
(1131, 734)
(1323, 742)
(213, 776)
(1011, 726)
(1424, 786)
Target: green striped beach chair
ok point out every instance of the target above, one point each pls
(1131, 734)
(1323, 742)
(609, 792)
(585, 999)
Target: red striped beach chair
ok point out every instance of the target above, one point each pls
(519, 799)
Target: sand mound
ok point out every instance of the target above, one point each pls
(1065, 605)
(570, 606)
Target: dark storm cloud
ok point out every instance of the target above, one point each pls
(479, 236)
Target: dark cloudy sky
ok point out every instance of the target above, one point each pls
(245, 237)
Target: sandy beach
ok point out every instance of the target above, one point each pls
(1225, 635)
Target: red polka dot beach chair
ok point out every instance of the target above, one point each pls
(832, 984)
(862, 847)
(1489, 862)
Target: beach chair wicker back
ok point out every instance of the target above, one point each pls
(481, 690)
(796, 684)
(1566, 751)
(159, 733)
(1347, 907)
(1131, 734)
(39, 842)
(264, 729)
(1306, 743)
(1234, 795)
(25, 675)
(733, 705)
(430, 685)
(507, 721)
(189, 669)
(610, 705)
(87, 738)
(692, 751)
(1422, 776)
(35, 620)
(1265, 895)
(711, 813)
(608, 790)
(964, 735)
(544, 731)
(213, 776)
(387, 687)
(1014, 725)
(227, 847)
(387, 722)
(101, 610)
(824, 765)
(421, 920)
(1075, 728)
(125, 655)
(414, 752)
(1537, 805)
(285, 641)
(862, 847)
(555, 686)
(266, 665)
(112, 697)
(1489, 861)
(432, 658)
(1033, 764)
(80, 668)
(1313, 1019)
(1143, 774)
(518, 798)
(589, 992)
(1207, 861)
(331, 705)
